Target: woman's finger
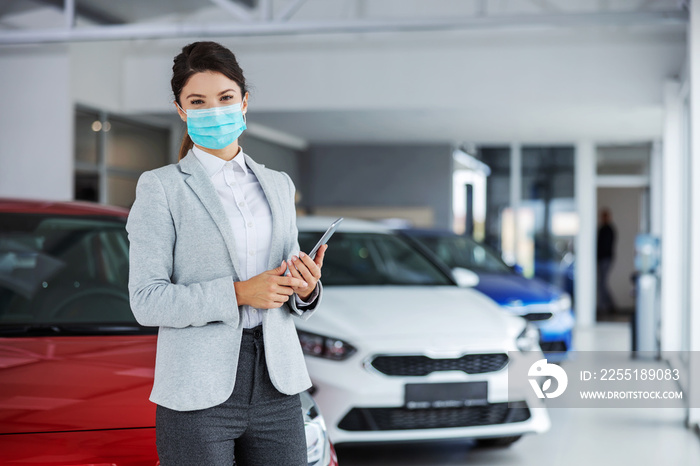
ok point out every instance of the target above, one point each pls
(310, 265)
(320, 255)
(295, 273)
(306, 274)
(293, 270)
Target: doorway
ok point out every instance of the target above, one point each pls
(627, 208)
(622, 187)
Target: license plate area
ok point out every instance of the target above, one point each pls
(445, 395)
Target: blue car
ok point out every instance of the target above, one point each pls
(474, 264)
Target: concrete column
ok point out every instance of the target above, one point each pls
(36, 124)
(516, 181)
(694, 321)
(656, 188)
(177, 129)
(672, 254)
(103, 184)
(585, 271)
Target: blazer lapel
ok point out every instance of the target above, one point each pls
(273, 199)
(204, 189)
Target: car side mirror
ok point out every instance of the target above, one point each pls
(465, 277)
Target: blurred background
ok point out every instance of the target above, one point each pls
(513, 122)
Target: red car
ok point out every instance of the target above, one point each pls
(76, 369)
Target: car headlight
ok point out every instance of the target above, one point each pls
(315, 440)
(317, 444)
(563, 304)
(324, 347)
(529, 339)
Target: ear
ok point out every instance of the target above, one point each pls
(244, 107)
(183, 115)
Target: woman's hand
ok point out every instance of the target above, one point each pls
(269, 290)
(307, 270)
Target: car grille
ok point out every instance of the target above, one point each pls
(551, 346)
(423, 365)
(364, 419)
(533, 316)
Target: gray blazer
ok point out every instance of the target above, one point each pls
(181, 272)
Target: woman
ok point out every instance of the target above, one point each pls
(215, 264)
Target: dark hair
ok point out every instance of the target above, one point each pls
(198, 57)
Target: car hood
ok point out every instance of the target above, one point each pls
(372, 313)
(59, 384)
(506, 288)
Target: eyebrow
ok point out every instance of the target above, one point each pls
(220, 93)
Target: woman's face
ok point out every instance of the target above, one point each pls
(210, 89)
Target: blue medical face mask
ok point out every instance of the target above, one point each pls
(216, 127)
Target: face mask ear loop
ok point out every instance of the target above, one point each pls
(244, 120)
(181, 109)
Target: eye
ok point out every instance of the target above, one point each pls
(196, 102)
(226, 98)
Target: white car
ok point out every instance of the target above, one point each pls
(399, 352)
(319, 449)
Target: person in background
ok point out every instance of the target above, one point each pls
(215, 264)
(605, 257)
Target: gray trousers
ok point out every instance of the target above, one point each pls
(605, 301)
(257, 425)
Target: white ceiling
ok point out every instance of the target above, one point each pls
(475, 86)
(139, 11)
(559, 80)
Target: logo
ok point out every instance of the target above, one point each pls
(542, 369)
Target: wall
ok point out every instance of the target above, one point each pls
(273, 156)
(36, 123)
(625, 205)
(97, 74)
(693, 419)
(381, 176)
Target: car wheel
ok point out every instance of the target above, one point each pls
(497, 441)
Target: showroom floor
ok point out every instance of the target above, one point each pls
(599, 437)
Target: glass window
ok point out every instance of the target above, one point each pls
(112, 152)
(121, 190)
(623, 159)
(373, 259)
(497, 192)
(548, 198)
(539, 237)
(462, 251)
(86, 142)
(87, 186)
(63, 270)
(136, 147)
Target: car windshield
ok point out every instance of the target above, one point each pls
(373, 259)
(461, 251)
(62, 271)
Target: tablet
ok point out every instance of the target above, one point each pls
(324, 239)
(326, 236)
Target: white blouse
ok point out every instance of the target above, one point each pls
(250, 217)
